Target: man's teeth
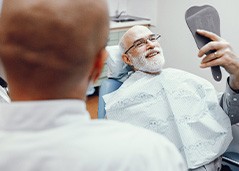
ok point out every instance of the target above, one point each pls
(152, 54)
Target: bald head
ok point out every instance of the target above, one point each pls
(134, 33)
(51, 41)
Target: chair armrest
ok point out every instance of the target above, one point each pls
(231, 157)
(109, 85)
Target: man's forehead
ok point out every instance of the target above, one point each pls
(139, 33)
(135, 33)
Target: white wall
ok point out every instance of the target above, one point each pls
(1, 68)
(179, 46)
(141, 8)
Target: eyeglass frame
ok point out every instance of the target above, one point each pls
(143, 40)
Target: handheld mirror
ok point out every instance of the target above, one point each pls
(206, 18)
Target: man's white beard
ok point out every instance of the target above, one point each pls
(152, 65)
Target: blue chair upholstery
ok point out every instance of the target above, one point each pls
(109, 85)
(230, 161)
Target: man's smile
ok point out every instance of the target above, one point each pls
(152, 54)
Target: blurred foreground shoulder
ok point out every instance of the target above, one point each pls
(144, 149)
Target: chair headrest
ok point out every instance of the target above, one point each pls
(117, 69)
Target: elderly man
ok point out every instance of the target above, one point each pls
(51, 50)
(177, 104)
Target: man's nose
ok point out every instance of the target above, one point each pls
(150, 44)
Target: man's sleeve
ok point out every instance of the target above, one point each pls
(230, 103)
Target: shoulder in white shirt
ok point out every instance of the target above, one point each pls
(59, 136)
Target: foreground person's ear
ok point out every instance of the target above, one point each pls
(98, 65)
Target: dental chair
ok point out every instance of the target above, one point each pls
(109, 85)
(230, 160)
(231, 157)
(118, 72)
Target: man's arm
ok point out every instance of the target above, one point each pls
(226, 58)
(230, 103)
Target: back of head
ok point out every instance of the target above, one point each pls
(51, 45)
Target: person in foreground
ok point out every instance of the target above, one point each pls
(51, 51)
(174, 103)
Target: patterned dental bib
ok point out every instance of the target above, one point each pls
(179, 105)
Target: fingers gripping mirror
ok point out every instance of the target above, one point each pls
(206, 18)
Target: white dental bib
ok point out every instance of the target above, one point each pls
(178, 105)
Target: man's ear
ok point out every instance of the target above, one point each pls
(99, 64)
(126, 59)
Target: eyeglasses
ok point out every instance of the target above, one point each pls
(143, 41)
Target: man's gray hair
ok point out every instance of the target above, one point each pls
(121, 48)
